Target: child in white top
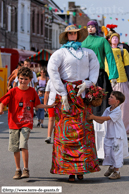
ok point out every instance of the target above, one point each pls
(115, 136)
(49, 98)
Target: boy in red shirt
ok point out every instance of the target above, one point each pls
(21, 101)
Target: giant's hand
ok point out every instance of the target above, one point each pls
(113, 82)
(65, 103)
(81, 87)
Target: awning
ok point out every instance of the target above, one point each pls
(43, 54)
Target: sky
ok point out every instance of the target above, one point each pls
(113, 11)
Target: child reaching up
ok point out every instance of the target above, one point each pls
(116, 137)
(21, 101)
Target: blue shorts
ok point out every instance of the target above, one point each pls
(40, 113)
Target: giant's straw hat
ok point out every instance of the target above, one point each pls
(82, 34)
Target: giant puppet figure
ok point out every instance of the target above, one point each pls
(72, 69)
(102, 49)
(122, 62)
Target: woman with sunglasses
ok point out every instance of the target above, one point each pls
(72, 70)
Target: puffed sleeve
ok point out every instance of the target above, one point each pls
(113, 73)
(93, 69)
(54, 63)
(126, 62)
(35, 77)
(47, 89)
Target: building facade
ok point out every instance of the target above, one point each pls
(80, 18)
(58, 25)
(8, 23)
(30, 24)
(37, 25)
(23, 26)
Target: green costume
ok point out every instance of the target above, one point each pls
(102, 49)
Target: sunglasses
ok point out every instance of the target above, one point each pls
(72, 33)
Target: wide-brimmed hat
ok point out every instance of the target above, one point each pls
(82, 34)
(115, 34)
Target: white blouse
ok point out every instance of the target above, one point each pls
(63, 65)
(50, 88)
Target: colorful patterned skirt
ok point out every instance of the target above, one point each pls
(74, 149)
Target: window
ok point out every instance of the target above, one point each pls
(41, 24)
(22, 17)
(28, 20)
(15, 19)
(12, 18)
(50, 33)
(46, 31)
(37, 23)
(33, 23)
(2, 14)
(9, 18)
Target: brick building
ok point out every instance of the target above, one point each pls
(80, 17)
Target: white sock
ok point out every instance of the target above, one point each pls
(25, 169)
(117, 172)
(18, 169)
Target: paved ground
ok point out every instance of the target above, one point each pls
(40, 163)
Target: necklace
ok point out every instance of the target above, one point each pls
(75, 56)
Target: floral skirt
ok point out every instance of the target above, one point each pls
(74, 149)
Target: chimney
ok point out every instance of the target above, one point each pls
(71, 5)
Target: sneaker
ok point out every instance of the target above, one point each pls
(48, 140)
(109, 172)
(38, 125)
(71, 178)
(25, 173)
(18, 174)
(114, 175)
(42, 126)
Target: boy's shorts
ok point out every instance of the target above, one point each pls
(18, 139)
(40, 113)
(113, 149)
(51, 112)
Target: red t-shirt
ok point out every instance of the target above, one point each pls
(21, 103)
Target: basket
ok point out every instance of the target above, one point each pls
(96, 102)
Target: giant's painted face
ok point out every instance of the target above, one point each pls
(72, 36)
(91, 29)
(115, 40)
